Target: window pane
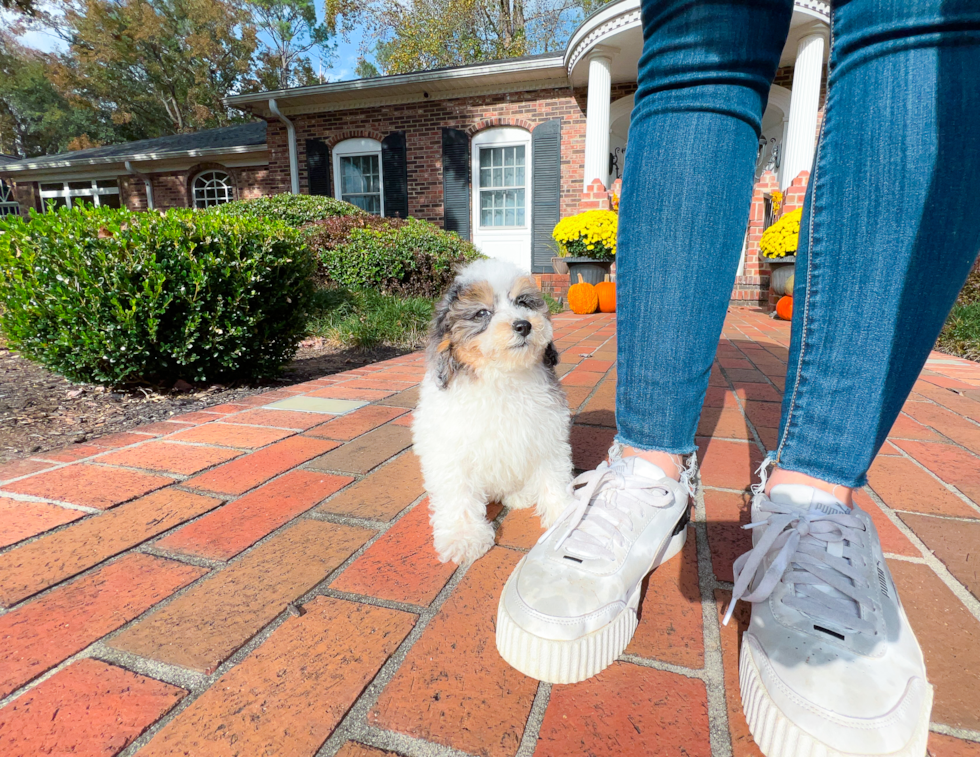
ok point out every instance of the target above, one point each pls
(360, 173)
(107, 184)
(52, 187)
(110, 201)
(57, 202)
(80, 184)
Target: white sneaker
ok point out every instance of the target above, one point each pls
(829, 664)
(569, 608)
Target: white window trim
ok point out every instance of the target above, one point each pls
(8, 203)
(95, 192)
(356, 146)
(199, 174)
(501, 137)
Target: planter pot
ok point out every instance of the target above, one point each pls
(782, 269)
(592, 271)
(559, 265)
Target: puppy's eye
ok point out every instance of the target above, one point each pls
(481, 314)
(526, 301)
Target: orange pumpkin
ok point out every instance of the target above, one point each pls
(606, 292)
(582, 298)
(784, 308)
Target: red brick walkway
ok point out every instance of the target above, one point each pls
(257, 579)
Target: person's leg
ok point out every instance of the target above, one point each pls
(570, 607)
(889, 231)
(704, 80)
(829, 663)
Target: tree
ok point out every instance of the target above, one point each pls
(292, 31)
(365, 69)
(22, 6)
(163, 65)
(415, 35)
(36, 118)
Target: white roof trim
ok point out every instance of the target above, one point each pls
(530, 68)
(140, 157)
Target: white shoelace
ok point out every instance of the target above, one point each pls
(606, 502)
(822, 555)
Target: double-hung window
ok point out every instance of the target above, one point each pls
(66, 194)
(357, 174)
(8, 204)
(503, 186)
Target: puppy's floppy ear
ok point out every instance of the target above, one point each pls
(439, 351)
(551, 357)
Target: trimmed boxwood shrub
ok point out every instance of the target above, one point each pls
(115, 297)
(295, 210)
(408, 257)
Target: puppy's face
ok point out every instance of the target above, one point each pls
(478, 326)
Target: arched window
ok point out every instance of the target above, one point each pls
(212, 188)
(8, 204)
(357, 174)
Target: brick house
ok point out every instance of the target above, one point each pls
(497, 152)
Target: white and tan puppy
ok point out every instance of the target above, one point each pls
(492, 421)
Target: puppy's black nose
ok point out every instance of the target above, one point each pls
(522, 327)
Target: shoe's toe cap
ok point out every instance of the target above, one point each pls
(559, 606)
(850, 706)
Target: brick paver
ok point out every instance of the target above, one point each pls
(202, 627)
(288, 695)
(108, 551)
(40, 634)
(22, 520)
(89, 709)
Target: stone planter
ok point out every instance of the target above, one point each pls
(782, 269)
(559, 265)
(591, 271)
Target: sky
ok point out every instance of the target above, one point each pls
(339, 68)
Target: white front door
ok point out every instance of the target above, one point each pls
(502, 195)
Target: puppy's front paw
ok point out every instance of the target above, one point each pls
(465, 545)
(550, 508)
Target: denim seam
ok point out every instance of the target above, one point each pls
(809, 261)
(687, 450)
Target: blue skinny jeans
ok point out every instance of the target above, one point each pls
(891, 223)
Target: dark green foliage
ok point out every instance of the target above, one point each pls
(366, 318)
(554, 306)
(412, 258)
(294, 210)
(961, 334)
(114, 297)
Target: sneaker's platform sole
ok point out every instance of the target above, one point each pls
(578, 659)
(777, 736)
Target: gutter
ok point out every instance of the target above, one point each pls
(291, 138)
(146, 183)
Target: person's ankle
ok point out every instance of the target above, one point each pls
(670, 464)
(779, 476)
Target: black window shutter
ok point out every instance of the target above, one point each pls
(318, 167)
(546, 192)
(394, 169)
(456, 181)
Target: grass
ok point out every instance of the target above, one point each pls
(366, 319)
(961, 334)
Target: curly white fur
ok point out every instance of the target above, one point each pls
(492, 422)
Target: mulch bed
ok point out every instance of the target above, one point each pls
(41, 411)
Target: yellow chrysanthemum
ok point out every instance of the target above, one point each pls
(782, 238)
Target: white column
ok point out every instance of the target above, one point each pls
(801, 135)
(597, 117)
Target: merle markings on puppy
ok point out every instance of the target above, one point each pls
(492, 422)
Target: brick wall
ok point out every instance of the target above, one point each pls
(423, 123)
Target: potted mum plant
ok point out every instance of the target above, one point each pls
(778, 246)
(587, 244)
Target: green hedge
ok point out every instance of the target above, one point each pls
(412, 258)
(294, 210)
(115, 297)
